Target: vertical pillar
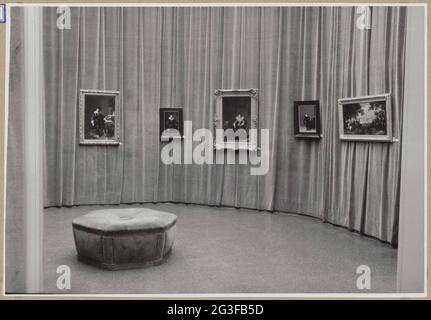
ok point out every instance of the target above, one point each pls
(33, 146)
(411, 253)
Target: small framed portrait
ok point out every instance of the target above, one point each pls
(236, 113)
(99, 117)
(365, 118)
(171, 123)
(307, 119)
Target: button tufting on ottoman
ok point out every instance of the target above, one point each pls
(124, 238)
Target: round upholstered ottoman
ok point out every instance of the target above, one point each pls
(117, 239)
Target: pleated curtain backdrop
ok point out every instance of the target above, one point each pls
(177, 57)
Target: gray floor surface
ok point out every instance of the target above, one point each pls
(224, 250)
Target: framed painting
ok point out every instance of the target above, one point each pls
(366, 118)
(307, 119)
(99, 117)
(171, 123)
(236, 113)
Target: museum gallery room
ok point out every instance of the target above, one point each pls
(207, 149)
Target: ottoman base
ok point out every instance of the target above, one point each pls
(124, 266)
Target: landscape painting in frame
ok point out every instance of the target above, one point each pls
(99, 117)
(237, 115)
(171, 123)
(307, 119)
(366, 118)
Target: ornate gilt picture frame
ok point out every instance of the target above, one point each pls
(236, 110)
(366, 118)
(99, 117)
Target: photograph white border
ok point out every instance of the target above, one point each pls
(232, 295)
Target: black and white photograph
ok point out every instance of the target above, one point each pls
(366, 118)
(99, 117)
(307, 119)
(210, 150)
(171, 123)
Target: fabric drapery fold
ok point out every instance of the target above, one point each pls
(177, 57)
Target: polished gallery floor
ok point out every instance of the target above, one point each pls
(225, 250)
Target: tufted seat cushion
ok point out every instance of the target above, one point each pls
(112, 220)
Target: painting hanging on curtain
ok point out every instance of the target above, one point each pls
(236, 116)
(307, 119)
(365, 118)
(171, 123)
(99, 117)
